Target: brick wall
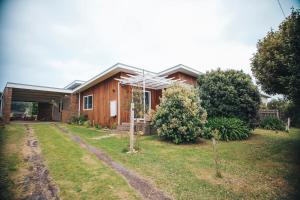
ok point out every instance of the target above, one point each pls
(70, 107)
(7, 101)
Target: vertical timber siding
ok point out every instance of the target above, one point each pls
(188, 79)
(103, 93)
(107, 91)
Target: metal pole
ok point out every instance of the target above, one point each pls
(144, 95)
(119, 105)
(79, 104)
(131, 147)
(1, 99)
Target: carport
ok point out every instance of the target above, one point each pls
(50, 100)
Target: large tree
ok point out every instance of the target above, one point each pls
(276, 65)
(229, 93)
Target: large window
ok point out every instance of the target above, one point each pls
(88, 102)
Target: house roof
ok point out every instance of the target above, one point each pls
(180, 68)
(120, 67)
(78, 86)
(74, 84)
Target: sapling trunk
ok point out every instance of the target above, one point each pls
(216, 158)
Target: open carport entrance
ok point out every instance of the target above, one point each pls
(48, 99)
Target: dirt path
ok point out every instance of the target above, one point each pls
(147, 190)
(37, 184)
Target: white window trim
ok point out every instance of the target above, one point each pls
(83, 102)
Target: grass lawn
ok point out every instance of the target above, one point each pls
(11, 161)
(77, 173)
(266, 166)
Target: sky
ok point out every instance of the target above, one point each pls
(52, 43)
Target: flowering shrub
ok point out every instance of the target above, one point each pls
(179, 117)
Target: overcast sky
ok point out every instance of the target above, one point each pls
(52, 43)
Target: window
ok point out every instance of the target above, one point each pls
(88, 102)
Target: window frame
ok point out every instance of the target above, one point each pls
(84, 102)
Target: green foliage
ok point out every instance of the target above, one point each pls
(227, 129)
(229, 93)
(179, 117)
(272, 123)
(79, 120)
(288, 109)
(98, 126)
(34, 109)
(276, 65)
(114, 126)
(87, 123)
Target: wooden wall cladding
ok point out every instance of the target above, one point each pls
(188, 79)
(107, 91)
(103, 93)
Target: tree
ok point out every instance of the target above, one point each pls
(229, 93)
(179, 116)
(288, 109)
(276, 64)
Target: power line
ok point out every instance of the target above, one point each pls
(281, 8)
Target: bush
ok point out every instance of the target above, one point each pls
(288, 109)
(228, 129)
(98, 126)
(79, 120)
(114, 126)
(229, 93)
(179, 117)
(87, 124)
(272, 123)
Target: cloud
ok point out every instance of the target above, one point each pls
(54, 42)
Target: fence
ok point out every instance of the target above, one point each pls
(269, 113)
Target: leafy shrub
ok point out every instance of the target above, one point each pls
(98, 126)
(229, 93)
(272, 123)
(79, 120)
(114, 126)
(87, 123)
(228, 129)
(179, 117)
(288, 109)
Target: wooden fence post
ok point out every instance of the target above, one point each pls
(131, 145)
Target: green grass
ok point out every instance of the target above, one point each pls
(266, 166)
(78, 174)
(88, 133)
(11, 142)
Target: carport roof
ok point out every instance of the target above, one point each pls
(33, 93)
(38, 88)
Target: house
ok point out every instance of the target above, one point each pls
(264, 98)
(104, 99)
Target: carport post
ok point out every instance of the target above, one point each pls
(1, 105)
(7, 100)
(79, 104)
